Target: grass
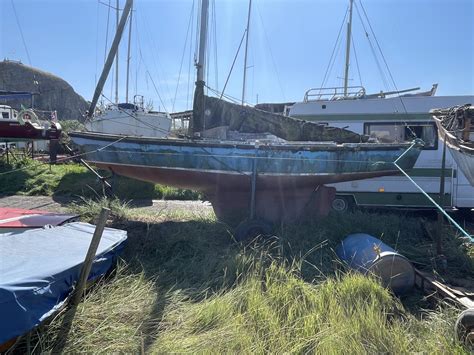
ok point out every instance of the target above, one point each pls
(186, 286)
(28, 177)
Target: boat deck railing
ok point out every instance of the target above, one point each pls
(334, 93)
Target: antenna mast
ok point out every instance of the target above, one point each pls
(348, 48)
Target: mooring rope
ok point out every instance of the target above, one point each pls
(441, 209)
(63, 159)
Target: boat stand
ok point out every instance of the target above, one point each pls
(255, 208)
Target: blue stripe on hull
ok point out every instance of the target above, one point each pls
(236, 159)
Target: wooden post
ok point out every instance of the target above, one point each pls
(467, 126)
(81, 285)
(439, 236)
(86, 267)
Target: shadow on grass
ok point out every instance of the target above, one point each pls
(189, 257)
(199, 257)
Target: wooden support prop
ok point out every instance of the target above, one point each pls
(86, 267)
(81, 285)
(439, 234)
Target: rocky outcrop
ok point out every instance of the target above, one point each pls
(51, 92)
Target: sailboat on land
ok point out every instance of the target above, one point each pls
(246, 159)
(127, 118)
(25, 125)
(456, 129)
(327, 104)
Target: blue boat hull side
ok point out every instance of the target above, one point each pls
(213, 166)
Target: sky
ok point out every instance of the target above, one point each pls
(290, 44)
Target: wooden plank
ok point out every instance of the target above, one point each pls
(442, 289)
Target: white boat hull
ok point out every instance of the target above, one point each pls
(131, 123)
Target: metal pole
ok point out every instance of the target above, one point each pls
(116, 54)
(201, 64)
(246, 50)
(196, 123)
(110, 57)
(348, 49)
(128, 54)
(253, 186)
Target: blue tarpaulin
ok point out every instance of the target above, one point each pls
(38, 269)
(15, 95)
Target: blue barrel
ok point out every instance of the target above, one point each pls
(367, 254)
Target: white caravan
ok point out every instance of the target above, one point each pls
(392, 119)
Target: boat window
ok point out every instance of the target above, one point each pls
(386, 133)
(400, 132)
(5, 115)
(427, 132)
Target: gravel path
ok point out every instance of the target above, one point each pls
(59, 204)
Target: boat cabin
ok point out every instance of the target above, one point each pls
(8, 113)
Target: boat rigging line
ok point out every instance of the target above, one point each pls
(64, 159)
(21, 32)
(134, 117)
(130, 22)
(232, 66)
(357, 61)
(190, 61)
(182, 56)
(441, 209)
(332, 58)
(372, 49)
(271, 53)
(156, 89)
(246, 51)
(384, 60)
(155, 59)
(214, 31)
(96, 43)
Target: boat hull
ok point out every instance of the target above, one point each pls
(462, 152)
(13, 131)
(131, 122)
(285, 173)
